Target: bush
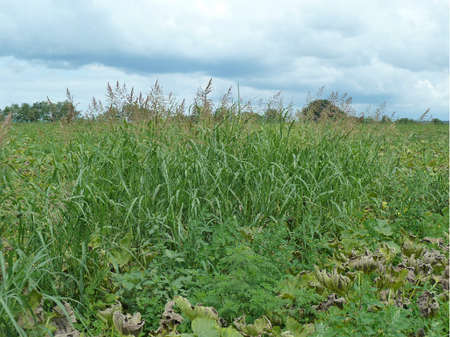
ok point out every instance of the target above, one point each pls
(437, 121)
(321, 108)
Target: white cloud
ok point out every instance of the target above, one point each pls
(384, 50)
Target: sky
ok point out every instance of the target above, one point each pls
(385, 50)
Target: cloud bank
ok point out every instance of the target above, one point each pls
(394, 51)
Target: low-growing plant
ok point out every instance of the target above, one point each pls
(244, 284)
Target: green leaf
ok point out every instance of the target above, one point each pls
(349, 244)
(260, 326)
(229, 332)
(297, 329)
(205, 327)
(382, 227)
(276, 331)
(120, 255)
(393, 245)
(199, 310)
(27, 319)
(34, 299)
(106, 316)
(126, 241)
(304, 279)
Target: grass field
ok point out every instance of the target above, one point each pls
(233, 215)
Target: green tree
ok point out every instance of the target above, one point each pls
(406, 121)
(385, 120)
(321, 108)
(437, 121)
(43, 111)
(273, 115)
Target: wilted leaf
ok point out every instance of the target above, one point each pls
(364, 263)
(439, 241)
(332, 300)
(304, 278)
(388, 297)
(428, 305)
(443, 297)
(169, 322)
(106, 316)
(64, 325)
(197, 311)
(443, 281)
(318, 287)
(392, 278)
(349, 244)
(339, 260)
(26, 320)
(121, 254)
(393, 245)
(409, 249)
(408, 237)
(260, 326)
(128, 325)
(385, 252)
(434, 258)
(334, 282)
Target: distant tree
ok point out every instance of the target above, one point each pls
(385, 120)
(321, 108)
(59, 111)
(437, 121)
(39, 111)
(43, 111)
(250, 115)
(15, 110)
(272, 115)
(5, 112)
(406, 121)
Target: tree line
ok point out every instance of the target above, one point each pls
(44, 111)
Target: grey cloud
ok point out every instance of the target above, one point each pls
(228, 68)
(374, 50)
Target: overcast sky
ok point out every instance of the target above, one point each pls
(379, 50)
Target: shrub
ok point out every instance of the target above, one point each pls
(437, 121)
(321, 108)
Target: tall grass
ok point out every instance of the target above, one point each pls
(70, 195)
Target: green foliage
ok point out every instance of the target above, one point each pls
(234, 215)
(245, 284)
(321, 108)
(376, 295)
(437, 121)
(385, 120)
(405, 120)
(43, 111)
